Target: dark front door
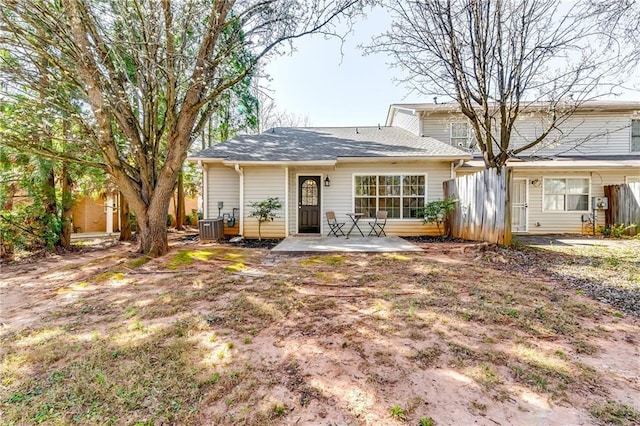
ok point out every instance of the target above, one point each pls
(309, 204)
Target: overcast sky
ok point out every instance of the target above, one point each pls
(350, 90)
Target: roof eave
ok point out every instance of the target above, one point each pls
(229, 162)
(205, 159)
(407, 158)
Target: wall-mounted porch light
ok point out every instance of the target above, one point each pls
(536, 183)
(327, 181)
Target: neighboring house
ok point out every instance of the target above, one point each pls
(401, 166)
(554, 182)
(100, 214)
(314, 170)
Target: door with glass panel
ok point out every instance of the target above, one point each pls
(519, 206)
(309, 204)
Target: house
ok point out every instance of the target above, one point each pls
(401, 166)
(555, 181)
(314, 170)
(100, 213)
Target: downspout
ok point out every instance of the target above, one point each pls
(455, 167)
(239, 170)
(205, 188)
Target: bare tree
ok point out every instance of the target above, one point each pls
(497, 59)
(270, 115)
(147, 76)
(619, 21)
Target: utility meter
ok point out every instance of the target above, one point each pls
(599, 203)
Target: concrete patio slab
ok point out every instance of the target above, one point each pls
(293, 245)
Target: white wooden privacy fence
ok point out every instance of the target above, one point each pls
(483, 210)
(624, 206)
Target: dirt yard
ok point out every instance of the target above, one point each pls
(214, 334)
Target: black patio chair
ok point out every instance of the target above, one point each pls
(377, 227)
(334, 225)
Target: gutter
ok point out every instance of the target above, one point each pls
(397, 159)
(236, 163)
(239, 170)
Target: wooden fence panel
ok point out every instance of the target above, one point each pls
(624, 206)
(483, 211)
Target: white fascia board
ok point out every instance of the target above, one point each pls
(391, 113)
(280, 163)
(204, 160)
(403, 159)
(560, 164)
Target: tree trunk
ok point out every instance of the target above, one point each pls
(50, 204)
(152, 229)
(125, 223)
(180, 213)
(6, 245)
(67, 205)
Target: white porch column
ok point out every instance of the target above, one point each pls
(109, 211)
(205, 190)
(286, 201)
(240, 171)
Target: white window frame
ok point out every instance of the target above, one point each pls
(453, 141)
(631, 136)
(377, 197)
(632, 179)
(544, 210)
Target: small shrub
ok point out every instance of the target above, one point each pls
(427, 421)
(614, 412)
(398, 413)
(437, 212)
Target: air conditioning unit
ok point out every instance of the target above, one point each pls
(211, 229)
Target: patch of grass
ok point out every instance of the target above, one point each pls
(485, 374)
(426, 421)
(136, 263)
(397, 256)
(278, 410)
(614, 412)
(186, 257)
(427, 357)
(331, 260)
(584, 347)
(108, 276)
(152, 380)
(235, 267)
(397, 412)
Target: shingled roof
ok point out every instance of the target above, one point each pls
(329, 143)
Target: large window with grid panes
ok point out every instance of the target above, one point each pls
(566, 194)
(402, 196)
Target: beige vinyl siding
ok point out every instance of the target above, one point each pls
(339, 196)
(259, 184)
(406, 120)
(438, 125)
(566, 222)
(592, 134)
(223, 184)
(583, 134)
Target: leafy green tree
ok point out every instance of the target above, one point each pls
(265, 211)
(147, 77)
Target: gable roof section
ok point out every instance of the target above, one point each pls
(313, 144)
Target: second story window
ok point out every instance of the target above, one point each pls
(635, 135)
(460, 134)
